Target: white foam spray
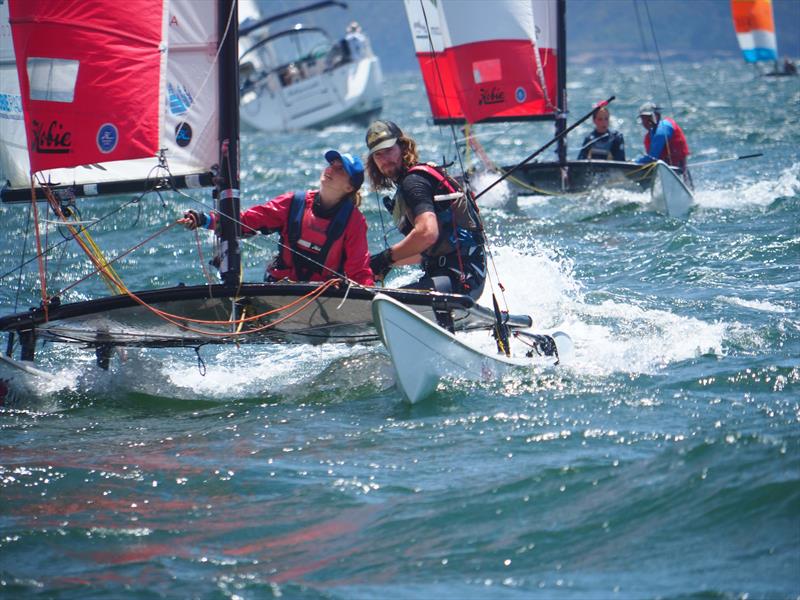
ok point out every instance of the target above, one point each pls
(609, 337)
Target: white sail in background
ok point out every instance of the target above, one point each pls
(14, 163)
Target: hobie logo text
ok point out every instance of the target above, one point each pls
(493, 96)
(50, 139)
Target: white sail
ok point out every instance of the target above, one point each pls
(14, 163)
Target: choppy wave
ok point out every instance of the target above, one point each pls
(662, 461)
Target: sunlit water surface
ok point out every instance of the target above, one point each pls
(661, 462)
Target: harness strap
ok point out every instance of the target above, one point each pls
(296, 218)
(435, 173)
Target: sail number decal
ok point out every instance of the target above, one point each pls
(183, 134)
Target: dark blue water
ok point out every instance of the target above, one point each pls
(663, 462)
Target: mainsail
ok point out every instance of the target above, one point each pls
(83, 137)
(487, 61)
(755, 29)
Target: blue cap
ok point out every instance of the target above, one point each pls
(352, 164)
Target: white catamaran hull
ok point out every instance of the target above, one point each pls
(348, 92)
(669, 194)
(423, 353)
(20, 379)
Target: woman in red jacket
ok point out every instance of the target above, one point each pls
(322, 233)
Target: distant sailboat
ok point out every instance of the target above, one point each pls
(505, 61)
(755, 31)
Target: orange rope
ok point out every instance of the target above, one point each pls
(310, 297)
(103, 266)
(116, 258)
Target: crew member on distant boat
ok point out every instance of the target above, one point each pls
(323, 235)
(664, 139)
(789, 68)
(439, 221)
(356, 42)
(603, 143)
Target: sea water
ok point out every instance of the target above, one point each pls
(662, 462)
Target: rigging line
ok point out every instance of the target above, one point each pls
(116, 258)
(201, 257)
(42, 273)
(85, 241)
(658, 53)
(10, 344)
(220, 44)
(66, 240)
(469, 196)
(22, 258)
(441, 81)
(645, 50)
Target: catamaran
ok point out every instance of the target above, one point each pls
(505, 61)
(167, 120)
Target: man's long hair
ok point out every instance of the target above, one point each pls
(378, 180)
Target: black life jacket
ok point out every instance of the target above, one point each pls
(452, 213)
(601, 147)
(309, 258)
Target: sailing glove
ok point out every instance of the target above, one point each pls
(198, 219)
(381, 264)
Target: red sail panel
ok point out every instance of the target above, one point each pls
(495, 79)
(487, 60)
(440, 85)
(89, 73)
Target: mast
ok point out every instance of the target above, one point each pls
(561, 97)
(227, 190)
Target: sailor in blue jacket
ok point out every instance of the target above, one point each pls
(603, 143)
(664, 139)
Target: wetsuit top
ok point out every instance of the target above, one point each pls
(349, 253)
(603, 146)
